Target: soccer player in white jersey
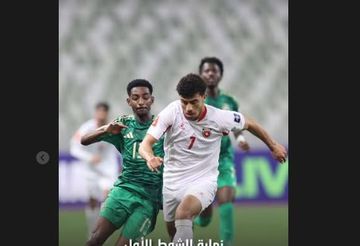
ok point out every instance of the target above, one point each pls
(193, 132)
(101, 160)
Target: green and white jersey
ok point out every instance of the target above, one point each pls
(136, 176)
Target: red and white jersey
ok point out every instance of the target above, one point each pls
(192, 147)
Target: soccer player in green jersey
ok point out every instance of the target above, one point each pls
(135, 199)
(211, 70)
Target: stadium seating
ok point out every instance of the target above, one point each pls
(105, 44)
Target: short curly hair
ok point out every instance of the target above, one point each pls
(191, 84)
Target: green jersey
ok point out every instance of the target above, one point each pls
(224, 101)
(136, 176)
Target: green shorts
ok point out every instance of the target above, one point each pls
(127, 208)
(227, 176)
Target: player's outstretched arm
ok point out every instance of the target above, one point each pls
(146, 152)
(241, 141)
(92, 137)
(279, 152)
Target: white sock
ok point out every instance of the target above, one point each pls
(91, 218)
(184, 231)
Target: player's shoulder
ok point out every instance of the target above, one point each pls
(212, 111)
(175, 104)
(228, 96)
(217, 113)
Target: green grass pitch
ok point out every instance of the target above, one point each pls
(255, 225)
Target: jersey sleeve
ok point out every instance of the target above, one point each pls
(110, 138)
(230, 120)
(162, 122)
(114, 139)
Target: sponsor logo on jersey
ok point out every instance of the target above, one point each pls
(129, 135)
(206, 132)
(237, 118)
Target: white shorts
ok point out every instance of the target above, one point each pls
(205, 191)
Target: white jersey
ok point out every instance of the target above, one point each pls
(192, 147)
(108, 166)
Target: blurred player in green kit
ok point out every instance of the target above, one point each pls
(135, 199)
(211, 70)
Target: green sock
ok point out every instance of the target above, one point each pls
(202, 221)
(226, 223)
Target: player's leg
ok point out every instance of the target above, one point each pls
(92, 208)
(225, 197)
(122, 241)
(114, 212)
(171, 229)
(188, 208)
(204, 218)
(102, 231)
(140, 223)
(170, 203)
(196, 198)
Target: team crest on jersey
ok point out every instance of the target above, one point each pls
(206, 132)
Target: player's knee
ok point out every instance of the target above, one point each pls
(183, 213)
(203, 221)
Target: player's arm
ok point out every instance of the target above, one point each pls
(236, 121)
(241, 140)
(279, 152)
(95, 136)
(159, 126)
(238, 134)
(146, 152)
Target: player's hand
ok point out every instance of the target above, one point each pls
(154, 163)
(95, 159)
(279, 152)
(244, 146)
(114, 127)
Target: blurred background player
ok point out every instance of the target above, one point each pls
(211, 70)
(134, 201)
(101, 160)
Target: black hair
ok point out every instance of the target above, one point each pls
(139, 83)
(214, 60)
(191, 84)
(103, 105)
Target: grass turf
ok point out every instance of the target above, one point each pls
(254, 226)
